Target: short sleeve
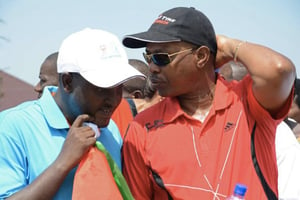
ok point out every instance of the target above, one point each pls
(13, 161)
(135, 168)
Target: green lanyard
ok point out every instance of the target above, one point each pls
(117, 174)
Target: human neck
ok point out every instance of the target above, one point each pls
(199, 103)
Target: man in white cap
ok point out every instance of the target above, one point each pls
(44, 140)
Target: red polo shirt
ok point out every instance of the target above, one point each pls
(202, 160)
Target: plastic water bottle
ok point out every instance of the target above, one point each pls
(238, 193)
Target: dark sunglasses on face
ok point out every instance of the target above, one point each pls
(162, 59)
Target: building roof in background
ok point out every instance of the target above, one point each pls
(14, 91)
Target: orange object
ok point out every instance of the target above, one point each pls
(122, 116)
(93, 178)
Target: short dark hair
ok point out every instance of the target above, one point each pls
(137, 83)
(297, 92)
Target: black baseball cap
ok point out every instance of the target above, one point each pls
(174, 25)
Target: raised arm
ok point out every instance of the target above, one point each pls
(79, 140)
(272, 73)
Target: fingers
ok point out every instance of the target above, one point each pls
(78, 141)
(78, 126)
(86, 131)
(80, 119)
(94, 127)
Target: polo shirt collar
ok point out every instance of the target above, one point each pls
(172, 109)
(51, 111)
(223, 97)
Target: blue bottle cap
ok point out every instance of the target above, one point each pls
(240, 189)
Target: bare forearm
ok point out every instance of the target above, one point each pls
(78, 141)
(45, 186)
(263, 62)
(272, 73)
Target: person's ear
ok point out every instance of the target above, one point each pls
(137, 94)
(203, 54)
(67, 80)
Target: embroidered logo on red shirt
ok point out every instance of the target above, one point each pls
(229, 126)
(156, 123)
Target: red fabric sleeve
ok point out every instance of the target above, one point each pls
(135, 169)
(265, 137)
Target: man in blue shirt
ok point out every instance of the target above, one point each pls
(42, 141)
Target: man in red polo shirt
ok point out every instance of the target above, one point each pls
(199, 141)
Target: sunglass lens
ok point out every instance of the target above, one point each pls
(160, 59)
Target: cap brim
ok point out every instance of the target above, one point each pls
(140, 40)
(113, 76)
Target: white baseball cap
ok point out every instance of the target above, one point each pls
(98, 56)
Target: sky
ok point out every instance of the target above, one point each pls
(30, 30)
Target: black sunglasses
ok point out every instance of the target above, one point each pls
(162, 59)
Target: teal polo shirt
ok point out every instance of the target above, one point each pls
(31, 137)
